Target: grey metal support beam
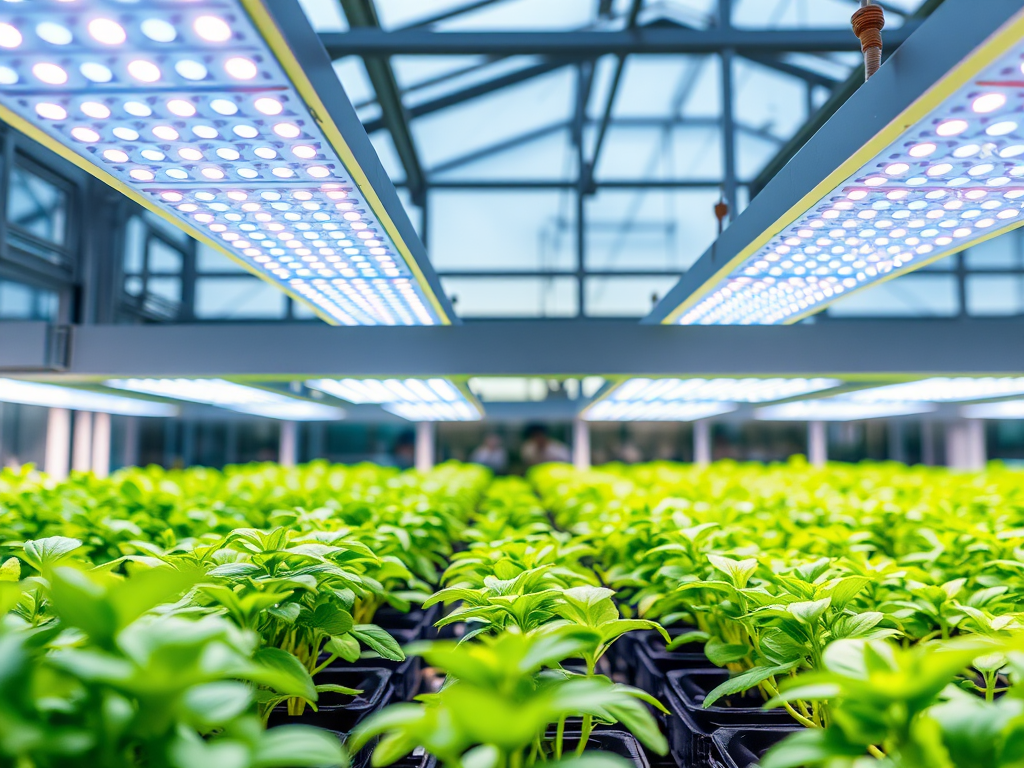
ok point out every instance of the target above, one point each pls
(728, 113)
(587, 169)
(580, 45)
(361, 14)
(863, 348)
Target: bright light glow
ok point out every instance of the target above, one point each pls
(1006, 409)
(240, 69)
(107, 32)
(144, 71)
(412, 399)
(943, 390)
(53, 33)
(234, 397)
(839, 409)
(212, 28)
(609, 410)
(127, 85)
(50, 74)
(52, 396)
(10, 37)
(718, 390)
(159, 31)
(964, 146)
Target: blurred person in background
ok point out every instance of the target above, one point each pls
(491, 454)
(540, 448)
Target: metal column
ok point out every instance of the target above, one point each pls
(965, 445)
(702, 442)
(288, 448)
(728, 117)
(81, 446)
(425, 436)
(101, 444)
(817, 443)
(581, 444)
(58, 443)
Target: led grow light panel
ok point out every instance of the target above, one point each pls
(184, 106)
(657, 410)
(52, 396)
(412, 399)
(235, 397)
(839, 409)
(952, 178)
(943, 390)
(717, 390)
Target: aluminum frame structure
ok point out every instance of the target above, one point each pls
(872, 156)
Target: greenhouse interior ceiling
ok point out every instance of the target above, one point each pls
(501, 204)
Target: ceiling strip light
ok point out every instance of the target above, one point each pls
(235, 397)
(51, 396)
(718, 390)
(925, 160)
(629, 410)
(839, 409)
(1007, 409)
(942, 390)
(412, 399)
(204, 113)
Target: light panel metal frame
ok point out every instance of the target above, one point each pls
(434, 399)
(917, 165)
(226, 118)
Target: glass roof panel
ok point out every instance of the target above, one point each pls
(422, 71)
(548, 155)
(798, 13)
(655, 85)
(502, 230)
(512, 15)
(512, 296)
(496, 117)
(767, 99)
(680, 152)
(461, 80)
(324, 15)
(649, 229)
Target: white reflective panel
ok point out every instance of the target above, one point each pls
(52, 396)
(839, 409)
(1007, 409)
(235, 397)
(187, 105)
(609, 410)
(718, 390)
(412, 399)
(943, 390)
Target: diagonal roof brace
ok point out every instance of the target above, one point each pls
(362, 14)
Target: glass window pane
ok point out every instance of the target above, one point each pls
(168, 288)
(209, 259)
(909, 296)
(26, 302)
(625, 296)
(649, 229)
(163, 258)
(134, 246)
(37, 206)
(640, 150)
(168, 230)
(995, 295)
(486, 230)
(1001, 251)
(238, 298)
(512, 297)
(133, 286)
